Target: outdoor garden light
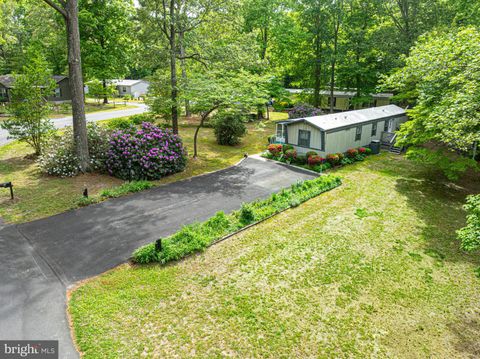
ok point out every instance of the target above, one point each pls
(8, 185)
(158, 245)
(85, 193)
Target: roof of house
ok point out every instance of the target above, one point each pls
(350, 118)
(126, 82)
(341, 93)
(8, 80)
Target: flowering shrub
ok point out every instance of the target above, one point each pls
(368, 151)
(287, 147)
(352, 152)
(290, 154)
(304, 110)
(275, 149)
(333, 159)
(59, 157)
(362, 150)
(148, 153)
(315, 160)
(341, 156)
(310, 153)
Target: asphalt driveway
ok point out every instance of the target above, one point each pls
(40, 259)
(90, 117)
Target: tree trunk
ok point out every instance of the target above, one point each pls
(105, 97)
(195, 136)
(76, 85)
(332, 70)
(263, 53)
(173, 68)
(317, 74)
(184, 70)
(318, 64)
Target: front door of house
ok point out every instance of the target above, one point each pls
(390, 125)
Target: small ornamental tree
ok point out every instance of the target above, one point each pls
(149, 153)
(220, 90)
(28, 105)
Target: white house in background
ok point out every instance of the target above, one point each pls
(134, 88)
(337, 132)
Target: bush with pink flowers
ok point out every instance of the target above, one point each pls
(315, 160)
(148, 153)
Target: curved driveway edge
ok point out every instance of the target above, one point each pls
(42, 258)
(90, 117)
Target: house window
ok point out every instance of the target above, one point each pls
(58, 92)
(358, 133)
(374, 129)
(3, 92)
(280, 130)
(385, 126)
(304, 138)
(334, 102)
(322, 138)
(124, 89)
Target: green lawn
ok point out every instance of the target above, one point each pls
(65, 110)
(370, 269)
(40, 196)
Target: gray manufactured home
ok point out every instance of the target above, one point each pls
(337, 132)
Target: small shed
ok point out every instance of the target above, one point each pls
(134, 88)
(337, 132)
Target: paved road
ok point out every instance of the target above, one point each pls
(91, 117)
(38, 260)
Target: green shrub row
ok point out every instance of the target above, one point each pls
(198, 236)
(126, 188)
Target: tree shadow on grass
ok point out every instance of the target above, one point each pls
(438, 204)
(466, 331)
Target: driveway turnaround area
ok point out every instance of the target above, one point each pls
(40, 259)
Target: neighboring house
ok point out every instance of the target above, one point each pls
(134, 88)
(5, 86)
(342, 100)
(61, 93)
(337, 132)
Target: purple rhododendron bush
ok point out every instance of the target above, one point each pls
(146, 153)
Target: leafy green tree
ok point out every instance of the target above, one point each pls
(216, 91)
(261, 16)
(470, 234)
(106, 31)
(442, 79)
(28, 105)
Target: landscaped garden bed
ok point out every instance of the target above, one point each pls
(311, 160)
(196, 237)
